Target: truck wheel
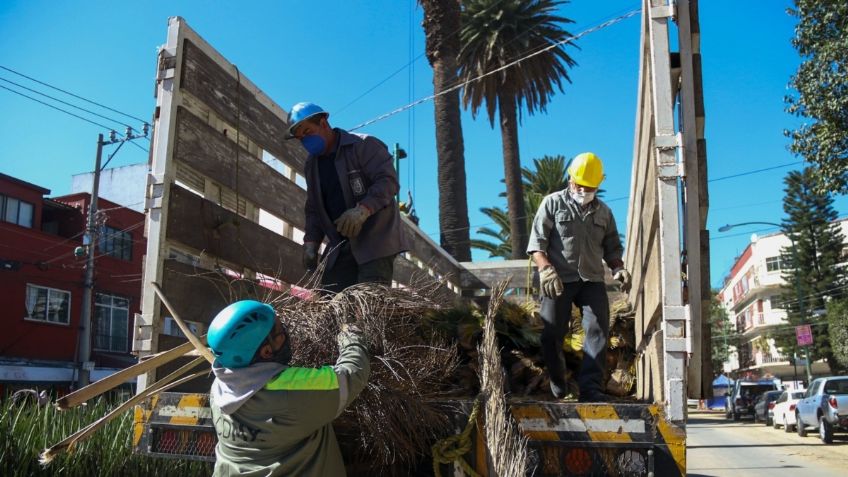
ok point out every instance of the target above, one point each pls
(799, 424)
(825, 431)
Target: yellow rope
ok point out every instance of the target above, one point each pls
(451, 449)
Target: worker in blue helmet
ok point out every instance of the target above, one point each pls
(351, 184)
(272, 418)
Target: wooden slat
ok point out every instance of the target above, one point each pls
(202, 225)
(487, 274)
(234, 103)
(429, 253)
(212, 154)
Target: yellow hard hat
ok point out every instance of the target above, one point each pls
(587, 170)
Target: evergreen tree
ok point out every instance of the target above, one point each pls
(837, 327)
(821, 86)
(812, 275)
(724, 334)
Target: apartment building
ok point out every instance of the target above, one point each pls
(752, 297)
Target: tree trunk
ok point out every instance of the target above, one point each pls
(441, 26)
(512, 176)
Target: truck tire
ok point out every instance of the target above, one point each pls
(799, 424)
(825, 431)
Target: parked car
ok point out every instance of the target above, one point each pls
(764, 405)
(784, 410)
(825, 404)
(740, 401)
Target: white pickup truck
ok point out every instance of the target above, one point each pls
(824, 405)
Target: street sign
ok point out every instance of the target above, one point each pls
(804, 335)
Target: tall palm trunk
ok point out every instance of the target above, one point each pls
(441, 25)
(512, 175)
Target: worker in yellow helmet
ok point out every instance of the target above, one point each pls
(573, 233)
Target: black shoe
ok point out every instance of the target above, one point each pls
(597, 396)
(559, 390)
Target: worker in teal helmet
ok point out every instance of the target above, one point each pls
(351, 185)
(573, 235)
(272, 418)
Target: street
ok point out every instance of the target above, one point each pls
(718, 447)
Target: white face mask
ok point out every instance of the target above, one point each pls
(582, 197)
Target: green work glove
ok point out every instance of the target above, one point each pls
(622, 276)
(310, 255)
(349, 224)
(550, 282)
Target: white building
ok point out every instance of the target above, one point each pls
(752, 296)
(122, 185)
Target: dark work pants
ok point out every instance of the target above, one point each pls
(591, 298)
(347, 272)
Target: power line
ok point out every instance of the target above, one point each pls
(72, 94)
(58, 108)
(67, 103)
(499, 69)
(756, 171)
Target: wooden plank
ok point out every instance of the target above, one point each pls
(203, 225)
(476, 275)
(424, 249)
(210, 153)
(228, 96)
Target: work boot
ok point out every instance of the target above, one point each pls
(558, 388)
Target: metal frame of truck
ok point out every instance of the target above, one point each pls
(210, 120)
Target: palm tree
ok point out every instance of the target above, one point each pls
(495, 33)
(548, 177)
(441, 27)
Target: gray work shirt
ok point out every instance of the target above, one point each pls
(576, 239)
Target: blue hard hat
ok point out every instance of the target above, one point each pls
(237, 332)
(301, 112)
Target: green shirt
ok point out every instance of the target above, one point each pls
(285, 428)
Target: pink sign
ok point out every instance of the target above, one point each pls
(804, 335)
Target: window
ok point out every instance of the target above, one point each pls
(48, 304)
(16, 211)
(774, 264)
(111, 321)
(115, 243)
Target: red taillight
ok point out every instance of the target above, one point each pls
(791, 407)
(771, 405)
(833, 403)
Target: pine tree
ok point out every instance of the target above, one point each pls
(812, 272)
(820, 87)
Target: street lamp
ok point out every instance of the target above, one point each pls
(798, 296)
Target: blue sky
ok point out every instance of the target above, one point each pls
(331, 52)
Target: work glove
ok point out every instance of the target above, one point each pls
(349, 224)
(550, 282)
(623, 276)
(310, 255)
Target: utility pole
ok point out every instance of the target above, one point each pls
(89, 242)
(398, 154)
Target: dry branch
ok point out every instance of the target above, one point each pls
(507, 447)
(99, 387)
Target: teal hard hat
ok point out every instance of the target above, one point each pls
(301, 112)
(237, 332)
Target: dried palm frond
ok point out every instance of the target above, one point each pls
(506, 446)
(393, 421)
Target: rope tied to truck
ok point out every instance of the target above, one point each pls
(451, 449)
